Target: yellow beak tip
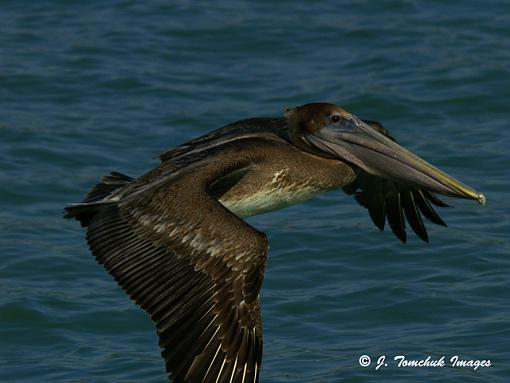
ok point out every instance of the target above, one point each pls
(481, 199)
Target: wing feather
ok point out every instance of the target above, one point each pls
(395, 202)
(413, 215)
(395, 216)
(197, 148)
(198, 280)
(427, 209)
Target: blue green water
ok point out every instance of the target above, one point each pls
(90, 87)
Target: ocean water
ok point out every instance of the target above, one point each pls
(91, 87)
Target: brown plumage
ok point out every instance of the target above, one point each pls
(175, 241)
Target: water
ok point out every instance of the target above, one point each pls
(90, 87)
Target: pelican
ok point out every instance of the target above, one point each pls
(175, 240)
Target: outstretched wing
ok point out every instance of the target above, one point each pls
(387, 199)
(195, 268)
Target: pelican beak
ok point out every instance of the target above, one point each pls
(355, 141)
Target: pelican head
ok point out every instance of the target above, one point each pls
(330, 131)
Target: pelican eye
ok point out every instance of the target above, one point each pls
(335, 118)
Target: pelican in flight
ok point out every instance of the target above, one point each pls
(175, 240)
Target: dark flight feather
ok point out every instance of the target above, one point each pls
(395, 202)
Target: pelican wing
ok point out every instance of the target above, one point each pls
(396, 202)
(237, 130)
(196, 270)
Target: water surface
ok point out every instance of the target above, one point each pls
(90, 87)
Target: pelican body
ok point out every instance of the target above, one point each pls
(176, 242)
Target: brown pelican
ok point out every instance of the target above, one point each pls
(175, 241)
